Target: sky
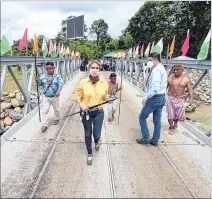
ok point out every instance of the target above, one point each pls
(44, 18)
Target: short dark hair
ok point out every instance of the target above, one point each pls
(113, 75)
(50, 63)
(155, 56)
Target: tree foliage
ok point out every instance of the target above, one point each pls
(166, 19)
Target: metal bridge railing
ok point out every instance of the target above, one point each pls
(136, 72)
(66, 67)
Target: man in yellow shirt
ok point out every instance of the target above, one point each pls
(92, 91)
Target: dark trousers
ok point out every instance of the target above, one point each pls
(92, 126)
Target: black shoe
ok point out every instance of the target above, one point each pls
(97, 146)
(152, 143)
(89, 159)
(141, 141)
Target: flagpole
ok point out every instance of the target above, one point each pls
(167, 55)
(26, 51)
(11, 50)
(38, 96)
(120, 93)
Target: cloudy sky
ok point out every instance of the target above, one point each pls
(45, 17)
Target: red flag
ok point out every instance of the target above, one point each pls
(185, 46)
(64, 51)
(133, 50)
(58, 48)
(51, 47)
(153, 44)
(142, 51)
(24, 41)
(126, 53)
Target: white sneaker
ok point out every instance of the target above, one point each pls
(89, 159)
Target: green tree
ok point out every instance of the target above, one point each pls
(128, 40)
(166, 19)
(100, 28)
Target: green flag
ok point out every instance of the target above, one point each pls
(204, 48)
(158, 48)
(6, 39)
(44, 48)
(147, 50)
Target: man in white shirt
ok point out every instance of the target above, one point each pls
(153, 101)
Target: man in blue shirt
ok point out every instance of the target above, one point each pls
(51, 85)
(153, 101)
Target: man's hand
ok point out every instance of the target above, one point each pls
(83, 107)
(190, 101)
(143, 102)
(36, 78)
(58, 94)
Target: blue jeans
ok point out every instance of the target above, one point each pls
(96, 119)
(153, 105)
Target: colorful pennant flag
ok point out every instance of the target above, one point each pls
(158, 48)
(172, 47)
(147, 50)
(51, 47)
(204, 48)
(44, 48)
(6, 40)
(58, 49)
(54, 53)
(153, 45)
(61, 51)
(24, 41)
(142, 51)
(185, 46)
(35, 45)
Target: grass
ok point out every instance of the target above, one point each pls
(202, 115)
(9, 84)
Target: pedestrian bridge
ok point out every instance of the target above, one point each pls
(54, 164)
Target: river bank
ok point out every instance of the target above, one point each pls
(201, 117)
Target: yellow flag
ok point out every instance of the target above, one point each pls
(172, 47)
(35, 44)
(72, 54)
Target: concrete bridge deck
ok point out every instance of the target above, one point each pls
(53, 164)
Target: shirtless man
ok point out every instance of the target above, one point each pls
(176, 97)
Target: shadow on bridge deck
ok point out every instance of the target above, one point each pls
(53, 164)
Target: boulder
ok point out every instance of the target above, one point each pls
(18, 96)
(7, 99)
(2, 115)
(17, 91)
(2, 98)
(8, 121)
(5, 105)
(15, 103)
(5, 93)
(203, 98)
(12, 95)
(17, 109)
(21, 103)
(15, 115)
(7, 112)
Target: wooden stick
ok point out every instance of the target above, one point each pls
(38, 95)
(26, 51)
(120, 94)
